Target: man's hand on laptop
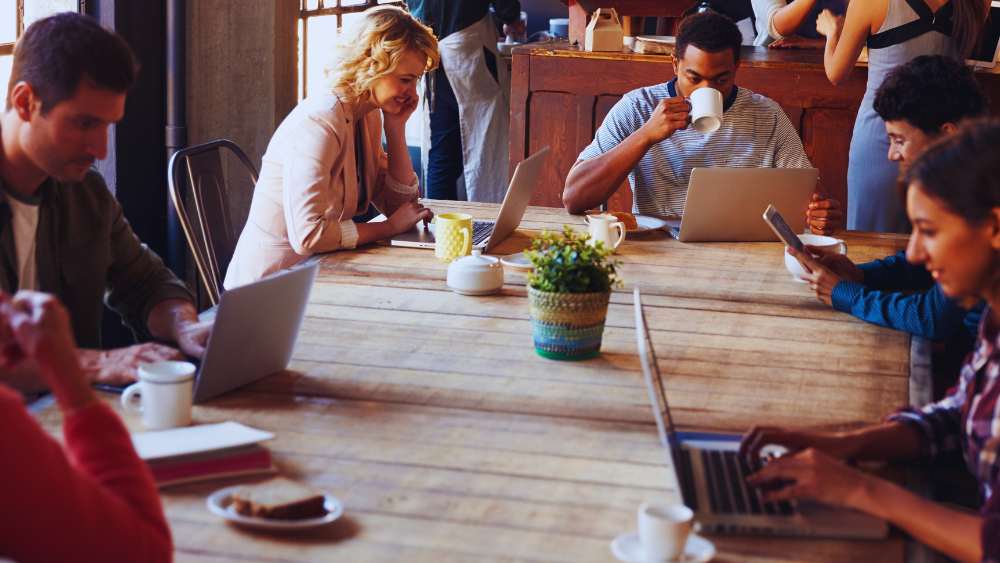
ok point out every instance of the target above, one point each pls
(811, 474)
(670, 115)
(192, 337)
(837, 444)
(824, 214)
(120, 366)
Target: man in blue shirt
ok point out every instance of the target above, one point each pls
(920, 102)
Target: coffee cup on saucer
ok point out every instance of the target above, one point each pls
(664, 534)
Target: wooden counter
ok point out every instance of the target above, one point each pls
(561, 94)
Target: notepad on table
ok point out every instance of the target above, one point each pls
(207, 451)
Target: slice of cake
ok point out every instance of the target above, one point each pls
(281, 499)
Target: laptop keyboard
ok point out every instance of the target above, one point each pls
(481, 230)
(728, 493)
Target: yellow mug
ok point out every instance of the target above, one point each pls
(452, 235)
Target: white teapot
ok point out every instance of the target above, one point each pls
(475, 274)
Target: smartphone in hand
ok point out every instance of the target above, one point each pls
(781, 228)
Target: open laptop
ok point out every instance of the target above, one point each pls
(711, 475)
(488, 234)
(724, 204)
(255, 329)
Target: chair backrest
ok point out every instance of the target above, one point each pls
(210, 185)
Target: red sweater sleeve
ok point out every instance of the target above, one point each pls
(94, 502)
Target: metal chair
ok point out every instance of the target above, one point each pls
(202, 181)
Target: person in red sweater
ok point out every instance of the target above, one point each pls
(92, 501)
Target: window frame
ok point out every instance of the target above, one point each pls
(324, 8)
(8, 48)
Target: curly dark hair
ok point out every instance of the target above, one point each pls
(958, 171)
(928, 92)
(57, 52)
(709, 31)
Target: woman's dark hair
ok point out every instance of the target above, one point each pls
(709, 31)
(967, 21)
(928, 92)
(961, 171)
(57, 52)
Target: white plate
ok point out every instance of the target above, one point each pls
(517, 262)
(220, 503)
(626, 547)
(648, 223)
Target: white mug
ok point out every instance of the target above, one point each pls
(830, 244)
(162, 394)
(706, 109)
(601, 227)
(664, 530)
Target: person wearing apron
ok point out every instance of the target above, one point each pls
(469, 102)
(903, 30)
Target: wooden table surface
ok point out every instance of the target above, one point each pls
(448, 439)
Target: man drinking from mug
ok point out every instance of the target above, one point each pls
(646, 136)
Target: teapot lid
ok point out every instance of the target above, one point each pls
(475, 262)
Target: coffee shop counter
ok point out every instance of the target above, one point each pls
(560, 95)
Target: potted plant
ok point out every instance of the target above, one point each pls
(568, 293)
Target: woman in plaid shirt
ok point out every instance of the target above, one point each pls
(953, 200)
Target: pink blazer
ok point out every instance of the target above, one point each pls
(308, 189)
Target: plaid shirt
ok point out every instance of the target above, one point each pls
(969, 419)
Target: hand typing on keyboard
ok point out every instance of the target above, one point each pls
(811, 474)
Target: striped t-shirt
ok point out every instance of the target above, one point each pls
(755, 133)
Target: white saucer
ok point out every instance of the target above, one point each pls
(220, 503)
(648, 223)
(517, 261)
(626, 548)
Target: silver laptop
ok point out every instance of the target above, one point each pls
(712, 475)
(255, 330)
(488, 234)
(724, 204)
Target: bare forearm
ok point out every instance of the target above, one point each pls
(788, 19)
(400, 165)
(885, 442)
(953, 532)
(591, 182)
(167, 316)
(371, 232)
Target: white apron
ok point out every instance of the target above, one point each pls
(483, 108)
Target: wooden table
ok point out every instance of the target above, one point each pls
(448, 439)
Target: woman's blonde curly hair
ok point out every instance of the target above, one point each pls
(379, 41)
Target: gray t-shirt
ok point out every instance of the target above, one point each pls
(755, 133)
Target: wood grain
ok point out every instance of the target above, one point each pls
(448, 439)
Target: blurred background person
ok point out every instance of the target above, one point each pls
(93, 500)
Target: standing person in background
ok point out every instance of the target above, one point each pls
(895, 31)
(469, 104)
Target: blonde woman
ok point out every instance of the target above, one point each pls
(325, 163)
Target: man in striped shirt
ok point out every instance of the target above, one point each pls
(645, 137)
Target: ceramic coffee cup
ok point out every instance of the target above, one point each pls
(601, 228)
(664, 529)
(829, 244)
(706, 109)
(452, 236)
(162, 394)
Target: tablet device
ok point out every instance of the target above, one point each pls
(781, 228)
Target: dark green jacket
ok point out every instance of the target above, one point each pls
(86, 254)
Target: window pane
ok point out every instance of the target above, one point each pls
(35, 10)
(5, 63)
(8, 21)
(322, 38)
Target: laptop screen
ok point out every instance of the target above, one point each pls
(651, 373)
(988, 47)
